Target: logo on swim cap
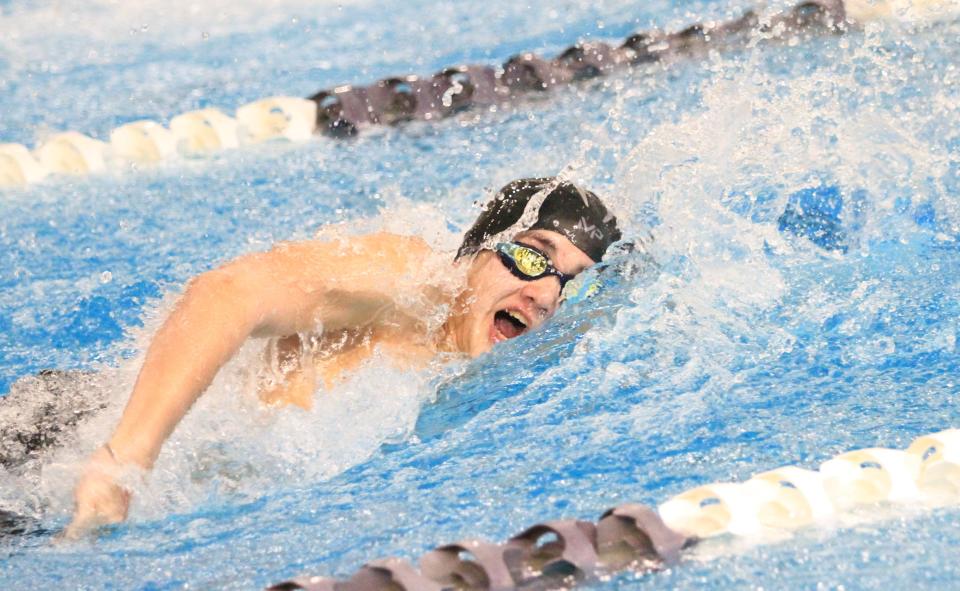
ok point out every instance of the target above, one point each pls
(591, 230)
(566, 208)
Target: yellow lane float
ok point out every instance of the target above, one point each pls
(928, 472)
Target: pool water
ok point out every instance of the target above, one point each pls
(797, 297)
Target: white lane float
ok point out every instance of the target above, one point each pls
(203, 132)
(72, 153)
(142, 142)
(911, 11)
(938, 455)
(870, 476)
(18, 166)
(718, 508)
(790, 497)
(277, 117)
(798, 497)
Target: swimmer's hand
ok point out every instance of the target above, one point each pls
(99, 496)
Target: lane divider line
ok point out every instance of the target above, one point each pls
(563, 553)
(344, 111)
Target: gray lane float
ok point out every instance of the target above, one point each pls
(344, 110)
(549, 555)
(563, 553)
(471, 564)
(633, 536)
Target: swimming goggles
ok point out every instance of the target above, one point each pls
(528, 263)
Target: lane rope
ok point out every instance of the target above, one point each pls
(563, 553)
(344, 111)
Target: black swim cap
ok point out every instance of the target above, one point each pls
(567, 209)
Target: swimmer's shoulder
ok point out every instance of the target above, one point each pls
(398, 252)
(395, 244)
(368, 243)
(375, 245)
(400, 255)
(379, 256)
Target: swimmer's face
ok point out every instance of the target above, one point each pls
(497, 305)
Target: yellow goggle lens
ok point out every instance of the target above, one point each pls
(530, 262)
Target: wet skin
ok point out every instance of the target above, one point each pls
(367, 293)
(492, 288)
(477, 324)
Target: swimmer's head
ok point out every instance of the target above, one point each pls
(566, 230)
(576, 213)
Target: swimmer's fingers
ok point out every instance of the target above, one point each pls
(92, 514)
(100, 499)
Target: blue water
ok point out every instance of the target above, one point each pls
(802, 202)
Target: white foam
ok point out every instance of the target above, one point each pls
(231, 444)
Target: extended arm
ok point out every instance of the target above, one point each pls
(289, 289)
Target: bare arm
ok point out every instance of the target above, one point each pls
(293, 288)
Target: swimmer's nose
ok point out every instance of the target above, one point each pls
(544, 295)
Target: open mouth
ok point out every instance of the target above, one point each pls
(508, 324)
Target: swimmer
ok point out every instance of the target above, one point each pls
(328, 305)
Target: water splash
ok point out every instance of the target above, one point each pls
(757, 338)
